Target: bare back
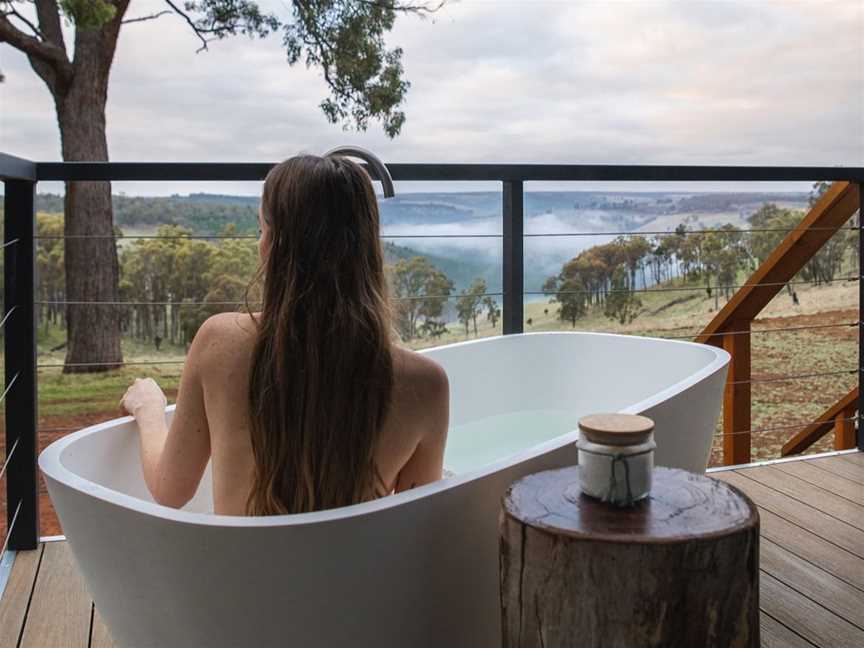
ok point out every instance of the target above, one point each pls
(411, 444)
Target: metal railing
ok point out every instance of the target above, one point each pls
(20, 178)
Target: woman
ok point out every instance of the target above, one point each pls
(309, 404)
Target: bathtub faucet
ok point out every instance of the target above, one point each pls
(379, 171)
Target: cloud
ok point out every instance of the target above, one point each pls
(743, 82)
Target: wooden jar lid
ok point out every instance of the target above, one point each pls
(616, 429)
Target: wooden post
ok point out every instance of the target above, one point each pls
(737, 396)
(844, 430)
(680, 568)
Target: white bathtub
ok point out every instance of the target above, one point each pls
(416, 569)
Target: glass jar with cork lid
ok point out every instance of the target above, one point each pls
(616, 457)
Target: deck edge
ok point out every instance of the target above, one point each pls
(768, 462)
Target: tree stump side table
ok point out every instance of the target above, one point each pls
(680, 568)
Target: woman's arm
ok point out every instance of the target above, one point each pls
(174, 459)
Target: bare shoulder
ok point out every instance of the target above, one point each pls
(420, 375)
(223, 340)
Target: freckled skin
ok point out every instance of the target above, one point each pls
(212, 418)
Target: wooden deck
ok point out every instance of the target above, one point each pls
(812, 562)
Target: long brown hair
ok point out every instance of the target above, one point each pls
(322, 368)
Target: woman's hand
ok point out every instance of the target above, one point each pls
(144, 395)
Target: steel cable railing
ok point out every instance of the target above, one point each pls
(730, 232)
(819, 374)
(513, 236)
(254, 237)
(7, 316)
(9, 384)
(234, 303)
(720, 287)
(550, 293)
(10, 529)
(780, 329)
(794, 426)
(236, 237)
(9, 454)
(132, 363)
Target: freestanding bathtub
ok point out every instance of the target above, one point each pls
(417, 569)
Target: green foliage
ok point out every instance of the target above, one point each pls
(343, 38)
(462, 270)
(622, 304)
(826, 263)
(346, 39)
(49, 267)
(223, 18)
(420, 291)
(590, 279)
(433, 329)
(722, 253)
(773, 223)
(88, 14)
(569, 291)
(468, 306)
(188, 279)
(493, 312)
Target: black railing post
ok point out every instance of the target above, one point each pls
(514, 281)
(22, 498)
(860, 433)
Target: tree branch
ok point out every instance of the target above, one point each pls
(14, 12)
(143, 18)
(198, 32)
(31, 46)
(407, 7)
(49, 22)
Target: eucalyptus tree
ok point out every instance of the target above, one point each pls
(420, 291)
(469, 304)
(344, 39)
(493, 311)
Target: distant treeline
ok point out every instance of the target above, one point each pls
(195, 213)
(608, 277)
(171, 283)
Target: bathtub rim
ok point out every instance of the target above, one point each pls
(51, 465)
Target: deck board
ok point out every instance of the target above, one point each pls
(59, 615)
(811, 565)
(807, 545)
(825, 526)
(817, 584)
(777, 635)
(829, 481)
(841, 466)
(16, 597)
(817, 497)
(856, 458)
(99, 635)
(806, 617)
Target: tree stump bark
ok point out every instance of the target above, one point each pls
(680, 568)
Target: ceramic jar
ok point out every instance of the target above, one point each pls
(616, 457)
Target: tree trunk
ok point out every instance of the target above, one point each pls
(91, 264)
(680, 568)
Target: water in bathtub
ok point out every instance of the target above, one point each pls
(478, 443)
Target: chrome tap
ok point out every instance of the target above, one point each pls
(379, 170)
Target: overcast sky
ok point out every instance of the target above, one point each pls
(641, 82)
